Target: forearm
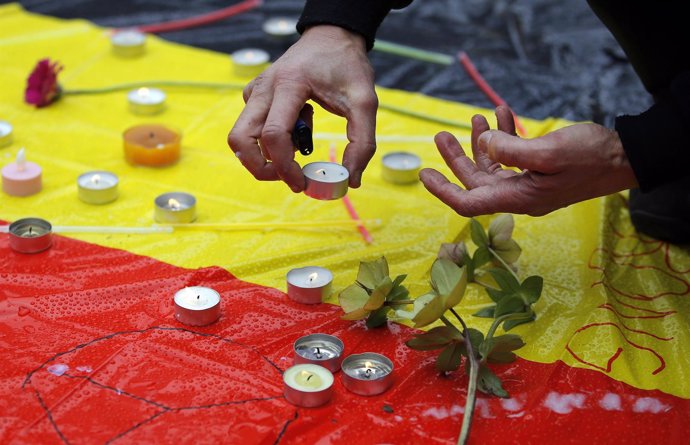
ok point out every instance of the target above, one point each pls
(360, 16)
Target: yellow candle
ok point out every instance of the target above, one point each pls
(307, 379)
(152, 145)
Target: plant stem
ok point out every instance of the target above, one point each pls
(155, 83)
(508, 268)
(397, 302)
(497, 321)
(472, 385)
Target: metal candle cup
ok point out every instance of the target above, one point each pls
(280, 28)
(30, 235)
(146, 101)
(97, 187)
(249, 62)
(197, 306)
(400, 167)
(309, 285)
(308, 385)
(325, 180)
(128, 42)
(5, 133)
(175, 208)
(320, 349)
(367, 374)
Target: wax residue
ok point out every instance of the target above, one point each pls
(649, 405)
(564, 403)
(86, 369)
(511, 404)
(58, 369)
(442, 412)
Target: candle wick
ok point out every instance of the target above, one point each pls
(31, 230)
(310, 376)
(368, 371)
(318, 353)
(151, 135)
(198, 297)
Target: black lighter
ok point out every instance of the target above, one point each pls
(301, 138)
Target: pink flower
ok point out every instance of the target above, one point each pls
(42, 88)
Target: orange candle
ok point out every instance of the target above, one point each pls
(151, 144)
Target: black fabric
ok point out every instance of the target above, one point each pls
(361, 16)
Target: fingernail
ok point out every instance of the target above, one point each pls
(485, 138)
(295, 188)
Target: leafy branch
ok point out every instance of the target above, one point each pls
(375, 295)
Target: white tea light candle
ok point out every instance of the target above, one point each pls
(325, 180)
(367, 374)
(309, 285)
(175, 208)
(146, 101)
(197, 305)
(22, 177)
(308, 385)
(5, 133)
(320, 349)
(280, 28)
(249, 62)
(30, 235)
(97, 187)
(128, 43)
(401, 167)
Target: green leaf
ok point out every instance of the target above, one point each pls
(487, 312)
(398, 293)
(481, 256)
(417, 306)
(531, 288)
(371, 273)
(476, 337)
(399, 279)
(489, 383)
(449, 359)
(357, 314)
(435, 338)
(378, 295)
(431, 312)
(509, 251)
(510, 324)
(353, 297)
(499, 349)
(449, 280)
(378, 318)
(505, 280)
(501, 228)
(509, 305)
(478, 234)
(496, 295)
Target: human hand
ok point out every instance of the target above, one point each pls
(328, 65)
(563, 167)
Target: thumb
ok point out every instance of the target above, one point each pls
(513, 151)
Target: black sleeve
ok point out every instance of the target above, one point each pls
(656, 41)
(360, 16)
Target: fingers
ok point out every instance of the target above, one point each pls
(244, 136)
(276, 135)
(532, 154)
(467, 203)
(361, 132)
(462, 166)
(479, 126)
(505, 120)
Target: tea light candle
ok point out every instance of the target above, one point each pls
(367, 374)
(128, 42)
(309, 285)
(249, 62)
(401, 167)
(320, 349)
(146, 101)
(280, 28)
(197, 305)
(325, 180)
(97, 187)
(175, 208)
(5, 134)
(21, 177)
(308, 385)
(30, 235)
(152, 145)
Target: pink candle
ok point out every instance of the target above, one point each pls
(21, 177)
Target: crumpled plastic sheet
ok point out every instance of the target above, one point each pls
(92, 354)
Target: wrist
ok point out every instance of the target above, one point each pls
(335, 34)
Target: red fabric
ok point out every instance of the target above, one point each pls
(103, 319)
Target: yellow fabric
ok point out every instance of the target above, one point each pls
(595, 267)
